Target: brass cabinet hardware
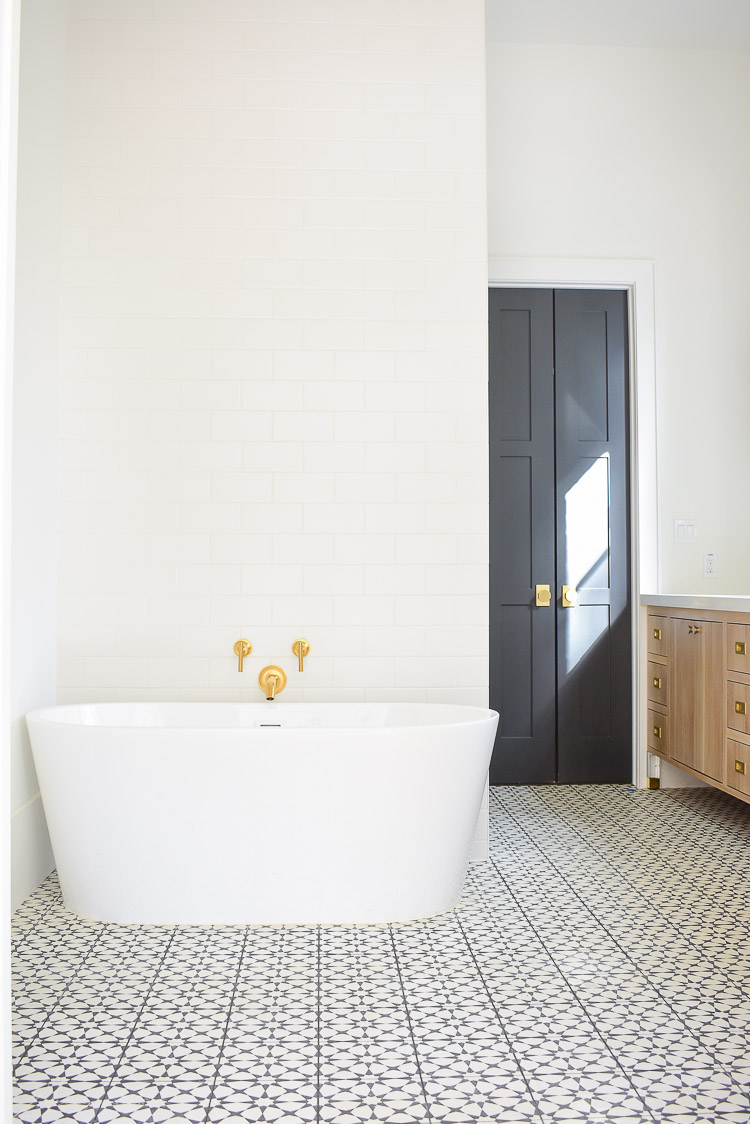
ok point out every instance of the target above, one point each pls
(301, 648)
(695, 628)
(657, 731)
(272, 680)
(543, 596)
(739, 767)
(569, 597)
(657, 634)
(657, 683)
(241, 649)
(739, 648)
(739, 707)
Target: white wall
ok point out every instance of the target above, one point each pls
(642, 153)
(273, 395)
(9, 37)
(34, 561)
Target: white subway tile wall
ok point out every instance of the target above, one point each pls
(273, 408)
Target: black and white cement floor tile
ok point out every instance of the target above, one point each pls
(595, 971)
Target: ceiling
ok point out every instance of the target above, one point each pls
(707, 24)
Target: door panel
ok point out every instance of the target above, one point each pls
(594, 742)
(522, 453)
(559, 513)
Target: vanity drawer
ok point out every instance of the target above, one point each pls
(738, 766)
(658, 733)
(738, 706)
(738, 647)
(658, 635)
(658, 683)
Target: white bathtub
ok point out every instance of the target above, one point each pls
(261, 813)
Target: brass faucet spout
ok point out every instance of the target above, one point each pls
(272, 679)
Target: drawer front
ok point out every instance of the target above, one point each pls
(657, 683)
(738, 706)
(658, 635)
(658, 734)
(738, 766)
(738, 647)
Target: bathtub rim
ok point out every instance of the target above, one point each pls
(47, 715)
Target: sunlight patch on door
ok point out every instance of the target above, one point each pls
(587, 555)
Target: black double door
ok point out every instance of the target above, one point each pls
(560, 656)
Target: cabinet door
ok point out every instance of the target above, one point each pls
(697, 710)
(687, 697)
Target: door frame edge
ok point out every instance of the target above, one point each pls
(637, 278)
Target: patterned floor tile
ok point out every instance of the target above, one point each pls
(595, 971)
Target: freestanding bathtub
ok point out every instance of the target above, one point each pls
(261, 813)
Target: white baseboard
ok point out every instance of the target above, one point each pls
(31, 853)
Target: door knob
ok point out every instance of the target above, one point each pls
(569, 597)
(543, 595)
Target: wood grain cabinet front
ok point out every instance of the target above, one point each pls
(738, 766)
(658, 635)
(738, 706)
(658, 683)
(696, 707)
(738, 647)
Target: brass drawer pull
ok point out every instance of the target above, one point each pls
(695, 628)
(657, 731)
(657, 683)
(739, 708)
(739, 767)
(657, 634)
(739, 648)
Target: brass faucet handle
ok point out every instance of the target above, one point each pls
(241, 649)
(301, 648)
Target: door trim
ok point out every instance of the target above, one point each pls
(637, 278)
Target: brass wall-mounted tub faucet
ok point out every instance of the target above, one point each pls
(241, 649)
(272, 680)
(301, 648)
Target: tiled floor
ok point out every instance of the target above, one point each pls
(597, 970)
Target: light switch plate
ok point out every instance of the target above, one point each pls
(685, 531)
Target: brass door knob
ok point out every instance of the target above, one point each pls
(543, 595)
(569, 597)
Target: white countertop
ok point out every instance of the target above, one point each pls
(736, 603)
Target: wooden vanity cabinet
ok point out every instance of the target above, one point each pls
(698, 694)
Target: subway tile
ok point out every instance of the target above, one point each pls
(241, 425)
(395, 579)
(212, 456)
(272, 579)
(339, 580)
(367, 548)
(308, 548)
(334, 518)
(303, 426)
(370, 487)
(303, 487)
(274, 456)
(334, 456)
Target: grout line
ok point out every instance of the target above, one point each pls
(230, 1008)
(318, 1059)
(572, 990)
(129, 1039)
(498, 1016)
(429, 1117)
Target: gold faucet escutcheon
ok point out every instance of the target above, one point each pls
(241, 649)
(272, 679)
